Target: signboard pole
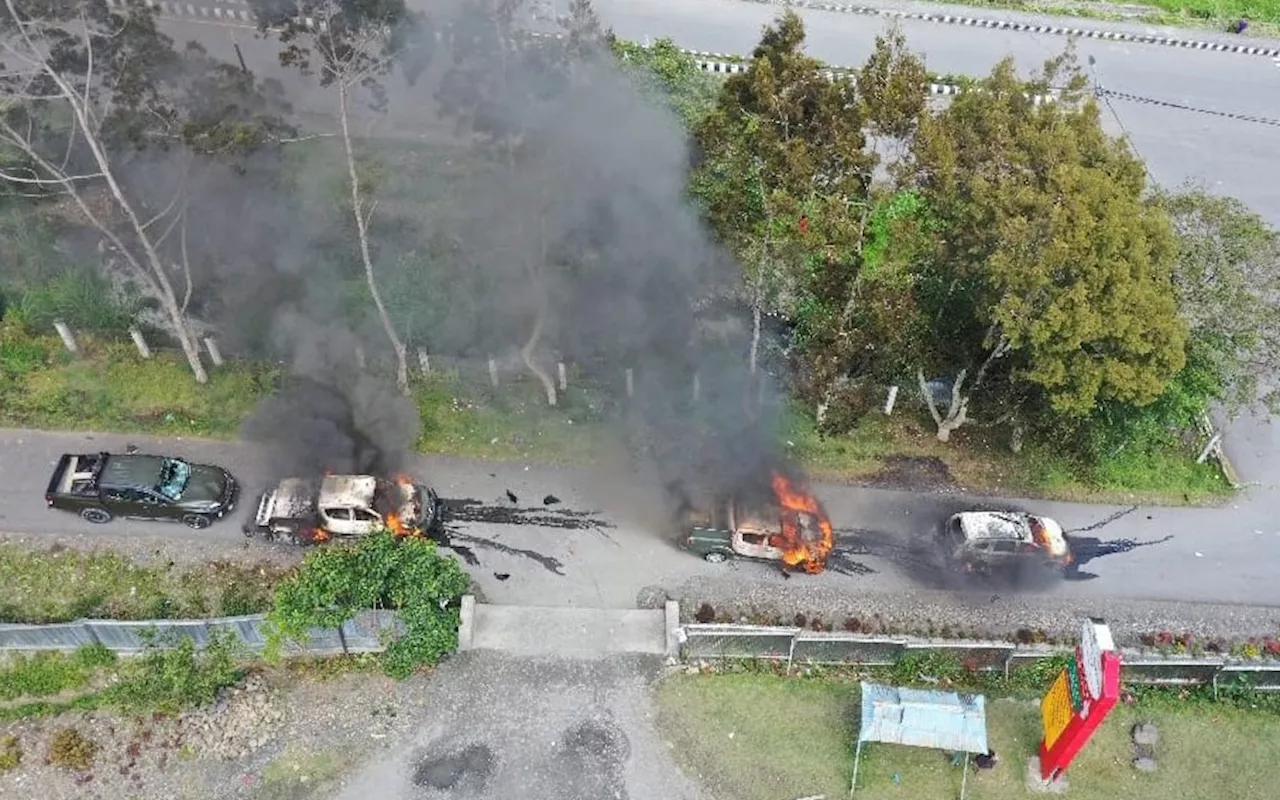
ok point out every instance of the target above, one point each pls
(1080, 699)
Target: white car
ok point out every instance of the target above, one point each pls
(986, 540)
(304, 511)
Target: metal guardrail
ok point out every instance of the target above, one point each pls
(367, 633)
(799, 646)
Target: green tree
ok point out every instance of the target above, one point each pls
(1228, 280)
(380, 572)
(1051, 273)
(784, 170)
(666, 74)
(354, 45)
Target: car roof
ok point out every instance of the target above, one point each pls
(348, 490)
(995, 525)
(132, 470)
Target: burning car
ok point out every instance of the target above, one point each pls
(982, 541)
(302, 511)
(790, 527)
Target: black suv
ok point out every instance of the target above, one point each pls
(103, 486)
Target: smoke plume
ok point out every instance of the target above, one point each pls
(579, 229)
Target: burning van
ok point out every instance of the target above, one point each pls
(790, 527)
(302, 511)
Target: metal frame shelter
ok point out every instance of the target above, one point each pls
(938, 720)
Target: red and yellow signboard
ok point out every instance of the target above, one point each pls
(1079, 700)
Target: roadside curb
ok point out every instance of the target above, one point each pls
(718, 67)
(1028, 27)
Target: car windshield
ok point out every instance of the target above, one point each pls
(174, 477)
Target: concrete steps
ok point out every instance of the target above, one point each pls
(568, 632)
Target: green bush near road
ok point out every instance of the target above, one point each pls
(755, 736)
(49, 673)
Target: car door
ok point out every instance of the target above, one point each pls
(157, 506)
(338, 520)
(124, 503)
(364, 521)
(1003, 552)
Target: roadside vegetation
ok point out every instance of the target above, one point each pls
(755, 735)
(1219, 16)
(60, 585)
(1060, 337)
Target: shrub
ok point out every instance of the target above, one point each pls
(72, 750)
(172, 675)
(380, 571)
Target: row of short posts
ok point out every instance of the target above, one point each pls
(139, 341)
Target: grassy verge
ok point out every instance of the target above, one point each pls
(45, 586)
(1212, 15)
(757, 736)
(110, 388)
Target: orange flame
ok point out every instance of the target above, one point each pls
(807, 536)
(319, 536)
(396, 526)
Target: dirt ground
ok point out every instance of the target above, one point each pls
(277, 737)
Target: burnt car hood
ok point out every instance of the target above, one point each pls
(207, 487)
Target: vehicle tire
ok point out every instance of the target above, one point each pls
(196, 522)
(97, 516)
(715, 557)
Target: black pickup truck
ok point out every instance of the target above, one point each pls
(102, 486)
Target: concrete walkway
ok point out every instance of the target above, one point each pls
(567, 632)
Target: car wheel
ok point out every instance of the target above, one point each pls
(715, 557)
(196, 521)
(96, 515)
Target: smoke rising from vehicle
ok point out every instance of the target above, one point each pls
(582, 222)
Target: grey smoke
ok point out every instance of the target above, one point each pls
(633, 269)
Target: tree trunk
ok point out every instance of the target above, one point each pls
(362, 232)
(540, 320)
(158, 278)
(957, 411)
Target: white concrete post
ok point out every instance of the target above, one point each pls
(424, 362)
(360, 360)
(493, 373)
(893, 398)
(697, 387)
(68, 340)
(140, 343)
(631, 385)
(563, 374)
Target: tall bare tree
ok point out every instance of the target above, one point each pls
(83, 87)
(353, 45)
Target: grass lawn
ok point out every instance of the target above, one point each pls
(763, 737)
(46, 586)
(110, 388)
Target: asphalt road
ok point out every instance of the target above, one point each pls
(604, 544)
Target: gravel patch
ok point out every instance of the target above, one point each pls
(275, 737)
(992, 615)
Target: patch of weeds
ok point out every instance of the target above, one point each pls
(296, 774)
(173, 675)
(326, 668)
(47, 674)
(71, 749)
(10, 753)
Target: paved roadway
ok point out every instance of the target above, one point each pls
(605, 543)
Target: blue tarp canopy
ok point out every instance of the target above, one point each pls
(938, 720)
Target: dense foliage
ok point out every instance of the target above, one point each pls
(381, 572)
